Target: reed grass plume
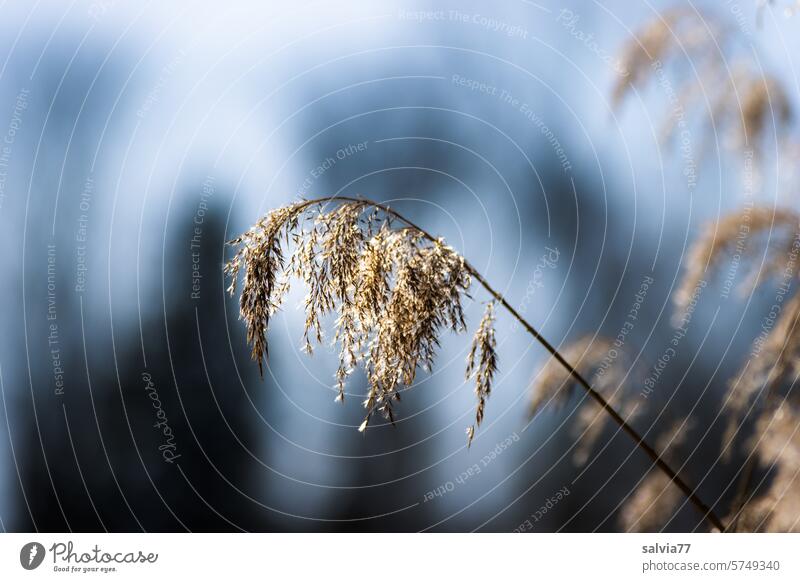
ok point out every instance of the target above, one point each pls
(482, 363)
(393, 289)
(685, 52)
(774, 363)
(732, 246)
(665, 40)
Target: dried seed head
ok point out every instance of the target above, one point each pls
(394, 292)
(651, 505)
(429, 281)
(261, 256)
(482, 363)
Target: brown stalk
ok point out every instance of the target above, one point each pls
(707, 513)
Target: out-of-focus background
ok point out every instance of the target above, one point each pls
(138, 137)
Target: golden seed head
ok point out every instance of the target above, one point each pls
(394, 291)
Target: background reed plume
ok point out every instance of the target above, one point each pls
(711, 81)
(762, 396)
(757, 244)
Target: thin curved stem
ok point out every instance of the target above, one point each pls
(707, 513)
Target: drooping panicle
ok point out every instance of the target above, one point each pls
(394, 291)
(261, 257)
(482, 363)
